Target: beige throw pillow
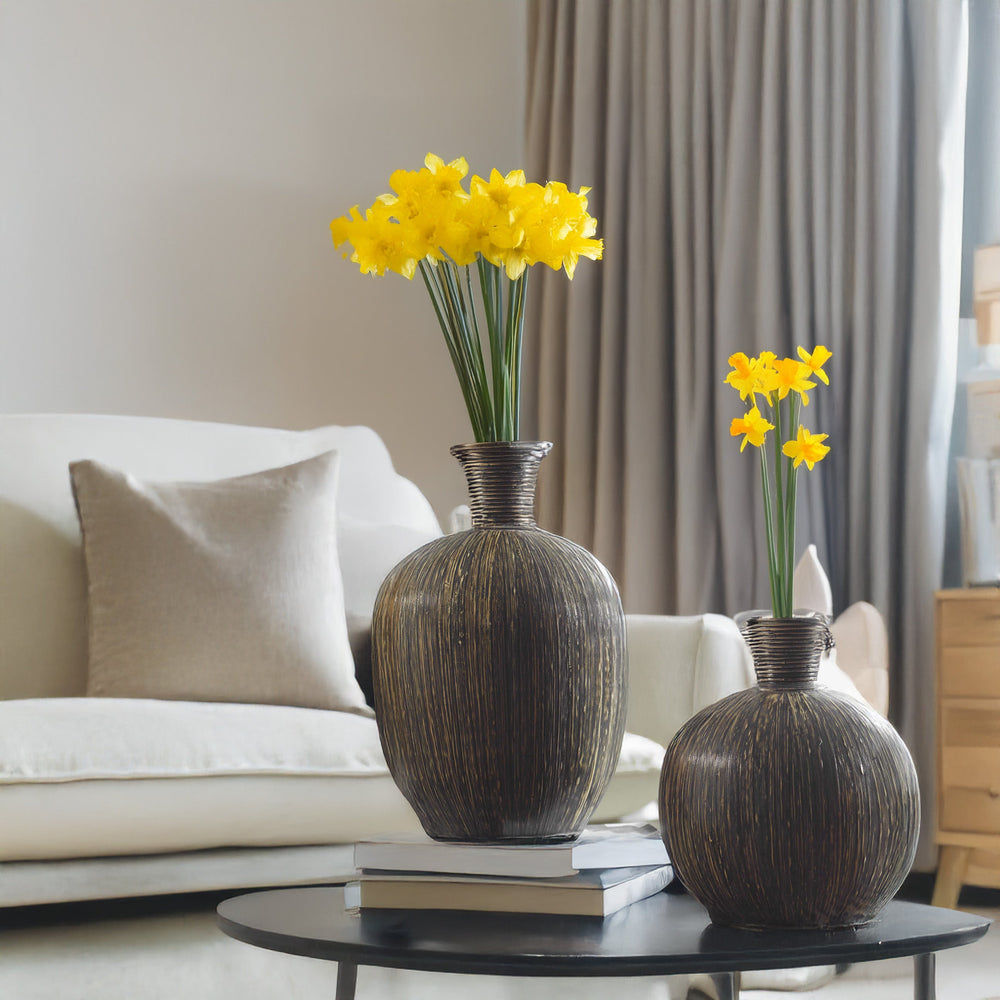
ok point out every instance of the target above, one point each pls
(228, 591)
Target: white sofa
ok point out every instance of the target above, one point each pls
(112, 797)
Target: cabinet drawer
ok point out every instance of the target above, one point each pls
(969, 796)
(969, 810)
(970, 672)
(970, 724)
(969, 621)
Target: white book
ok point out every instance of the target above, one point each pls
(596, 892)
(611, 845)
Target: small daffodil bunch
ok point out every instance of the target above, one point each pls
(776, 391)
(473, 248)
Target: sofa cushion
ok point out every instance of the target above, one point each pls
(85, 777)
(42, 589)
(217, 591)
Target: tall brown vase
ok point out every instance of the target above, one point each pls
(789, 805)
(498, 657)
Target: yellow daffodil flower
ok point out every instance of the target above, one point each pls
(777, 381)
(437, 180)
(576, 247)
(502, 226)
(341, 228)
(508, 250)
(476, 215)
(745, 376)
(806, 447)
(502, 191)
(380, 242)
(571, 228)
(790, 375)
(505, 220)
(816, 360)
(448, 176)
(752, 426)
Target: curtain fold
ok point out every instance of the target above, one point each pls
(767, 173)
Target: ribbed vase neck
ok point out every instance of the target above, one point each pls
(786, 651)
(501, 477)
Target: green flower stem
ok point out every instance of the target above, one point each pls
(489, 310)
(502, 380)
(479, 364)
(512, 347)
(501, 389)
(441, 310)
(492, 398)
(506, 357)
(439, 302)
(780, 607)
(468, 335)
(467, 344)
(469, 365)
(489, 278)
(790, 504)
(790, 544)
(522, 291)
(772, 568)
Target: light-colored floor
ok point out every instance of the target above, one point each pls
(183, 955)
(969, 973)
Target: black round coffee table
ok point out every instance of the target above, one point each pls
(661, 935)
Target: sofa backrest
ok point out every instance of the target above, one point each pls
(43, 646)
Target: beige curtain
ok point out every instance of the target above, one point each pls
(767, 173)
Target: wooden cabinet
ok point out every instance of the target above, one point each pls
(968, 740)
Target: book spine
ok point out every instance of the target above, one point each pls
(521, 865)
(352, 896)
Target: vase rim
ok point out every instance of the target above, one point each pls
(744, 618)
(750, 621)
(770, 639)
(519, 443)
(501, 477)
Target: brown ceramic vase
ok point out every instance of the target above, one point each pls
(789, 805)
(498, 660)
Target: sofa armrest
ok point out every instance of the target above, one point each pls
(862, 652)
(677, 666)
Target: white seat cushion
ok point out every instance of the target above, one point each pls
(87, 777)
(102, 776)
(636, 780)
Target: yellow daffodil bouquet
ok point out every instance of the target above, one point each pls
(473, 249)
(776, 391)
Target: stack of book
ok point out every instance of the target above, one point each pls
(605, 869)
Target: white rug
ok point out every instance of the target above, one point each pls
(184, 955)
(969, 973)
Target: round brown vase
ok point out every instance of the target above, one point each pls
(498, 659)
(789, 805)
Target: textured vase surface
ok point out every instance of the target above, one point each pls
(499, 667)
(789, 805)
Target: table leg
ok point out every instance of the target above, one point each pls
(952, 865)
(727, 985)
(923, 977)
(347, 980)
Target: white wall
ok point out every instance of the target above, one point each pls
(168, 171)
